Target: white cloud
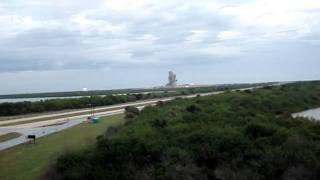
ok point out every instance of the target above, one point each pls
(227, 35)
(87, 25)
(272, 16)
(148, 38)
(107, 32)
(15, 24)
(125, 5)
(56, 36)
(197, 36)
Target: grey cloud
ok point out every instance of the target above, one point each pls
(156, 36)
(57, 48)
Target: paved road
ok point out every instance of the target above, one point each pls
(46, 130)
(43, 128)
(88, 111)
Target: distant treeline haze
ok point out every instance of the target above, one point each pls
(9, 109)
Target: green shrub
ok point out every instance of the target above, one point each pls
(231, 136)
(131, 112)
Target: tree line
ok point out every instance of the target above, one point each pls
(248, 135)
(19, 108)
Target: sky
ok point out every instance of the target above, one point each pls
(65, 45)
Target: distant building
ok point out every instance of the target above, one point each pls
(172, 80)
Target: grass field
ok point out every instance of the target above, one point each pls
(9, 136)
(28, 161)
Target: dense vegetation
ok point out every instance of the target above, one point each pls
(233, 136)
(9, 109)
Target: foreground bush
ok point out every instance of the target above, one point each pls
(233, 136)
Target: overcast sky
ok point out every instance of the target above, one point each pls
(59, 45)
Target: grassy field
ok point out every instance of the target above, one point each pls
(9, 136)
(28, 161)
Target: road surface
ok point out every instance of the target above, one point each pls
(40, 131)
(43, 128)
(88, 111)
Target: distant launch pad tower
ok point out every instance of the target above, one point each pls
(172, 80)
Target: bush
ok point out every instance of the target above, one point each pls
(193, 108)
(131, 112)
(230, 136)
(256, 130)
